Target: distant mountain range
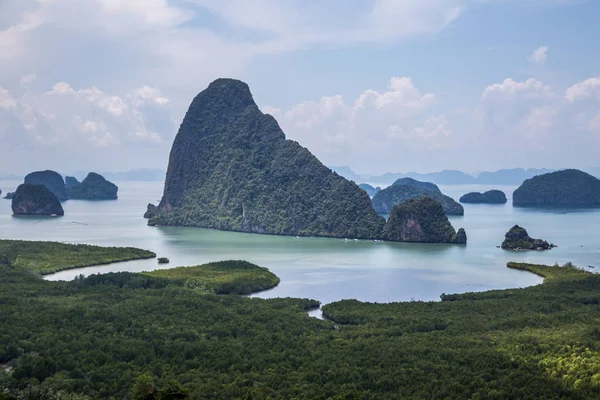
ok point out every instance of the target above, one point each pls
(514, 176)
(142, 174)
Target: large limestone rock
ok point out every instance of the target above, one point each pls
(94, 187)
(34, 199)
(232, 168)
(52, 180)
(387, 198)
(570, 187)
(421, 220)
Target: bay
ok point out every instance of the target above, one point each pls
(322, 268)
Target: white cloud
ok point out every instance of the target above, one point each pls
(181, 45)
(402, 126)
(375, 121)
(151, 12)
(583, 89)
(6, 101)
(67, 118)
(539, 55)
(531, 88)
(515, 113)
(27, 79)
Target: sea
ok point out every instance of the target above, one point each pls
(327, 269)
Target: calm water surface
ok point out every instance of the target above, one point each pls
(325, 269)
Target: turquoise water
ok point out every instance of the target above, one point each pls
(326, 269)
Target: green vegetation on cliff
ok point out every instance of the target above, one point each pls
(130, 334)
(231, 168)
(35, 199)
(223, 277)
(570, 187)
(387, 198)
(49, 257)
(489, 197)
(421, 220)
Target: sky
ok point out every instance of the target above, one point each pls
(377, 85)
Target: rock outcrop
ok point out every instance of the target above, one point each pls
(387, 198)
(489, 197)
(35, 199)
(369, 189)
(51, 179)
(151, 211)
(517, 238)
(9, 195)
(569, 187)
(432, 187)
(71, 182)
(421, 220)
(231, 168)
(94, 187)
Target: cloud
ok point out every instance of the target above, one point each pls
(584, 97)
(6, 101)
(395, 129)
(183, 44)
(151, 57)
(375, 124)
(28, 79)
(539, 55)
(583, 89)
(64, 121)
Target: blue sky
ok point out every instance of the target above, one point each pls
(378, 85)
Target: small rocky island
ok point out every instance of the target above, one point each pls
(93, 187)
(51, 179)
(387, 198)
(489, 197)
(421, 220)
(35, 199)
(151, 211)
(369, 189)
(517, 238)
(569, 187)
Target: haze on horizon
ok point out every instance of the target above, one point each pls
(379, 85)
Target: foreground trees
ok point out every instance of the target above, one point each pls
(126, 336)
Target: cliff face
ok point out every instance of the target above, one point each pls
(52, 180)
(387, 198)
(570, 187)
(421, 220)
(489, 197)
(93, 187)
(231, 168)
(34, 199)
